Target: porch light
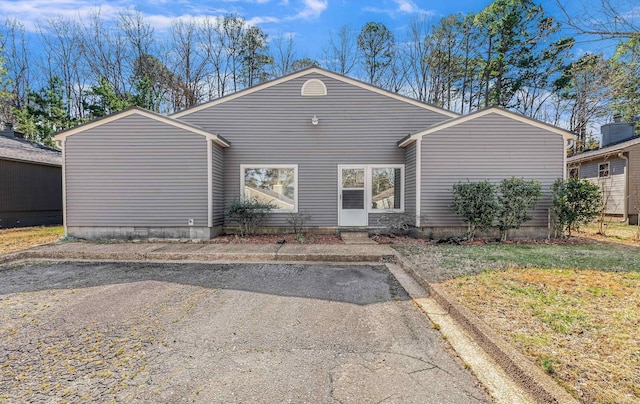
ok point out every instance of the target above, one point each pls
(314, 120)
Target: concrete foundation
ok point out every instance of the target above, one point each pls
(130, 233)
(523, 233)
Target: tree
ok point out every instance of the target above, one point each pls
(476, 202)
(304, 63)
(255, 56)
(341, 53)
(5, 95)
(189, 64)
(511, 29)
(18, 65)
(604, 18)
(584, 84)
(283, 55)
(45, 113)
(376, 45)
(625, 81)
(575, 202)
(233, 32)
(515, 198)
(101, 100)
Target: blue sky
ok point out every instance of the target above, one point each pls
(309, 21)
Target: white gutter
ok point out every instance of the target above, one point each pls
(625, 215)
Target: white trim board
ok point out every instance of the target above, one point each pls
(320, 71)
(147, 114)
(492, 110)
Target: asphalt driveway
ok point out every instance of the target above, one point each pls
(148, 332)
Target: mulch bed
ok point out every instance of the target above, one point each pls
(278, 238)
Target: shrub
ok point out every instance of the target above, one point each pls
(477, 203)
(297, 221)
(249, 214)
(515, 198)
(575, 201)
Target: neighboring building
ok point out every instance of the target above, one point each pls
(30, 182)
(344, 152)
(615, 168)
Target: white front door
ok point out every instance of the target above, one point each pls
(352, 210)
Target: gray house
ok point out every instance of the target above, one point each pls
(344, 152)
(615, 168)
(30, 182)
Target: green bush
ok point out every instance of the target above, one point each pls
(477, 203)
(575, 202)
(249, 214)
(515, 198)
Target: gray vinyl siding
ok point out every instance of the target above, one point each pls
(30, 194)
(633, 153)
(217, 184)
(612, 186)
(136, 171)
(490, 147)
(273, 126)
(410, 181)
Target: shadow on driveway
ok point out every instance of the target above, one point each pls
(356, 284)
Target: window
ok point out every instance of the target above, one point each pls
(603, 170)
(386, 188)
(574, 172)
(275, 184)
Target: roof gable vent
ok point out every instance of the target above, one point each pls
(313, 88)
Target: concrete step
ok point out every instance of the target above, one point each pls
(350, 237)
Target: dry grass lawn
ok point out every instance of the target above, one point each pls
(581, 326)
(614, 231)
(573, 308)
(12, 240)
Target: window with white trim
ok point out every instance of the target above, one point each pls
(275, 184)
(386, 188)
(603, 170)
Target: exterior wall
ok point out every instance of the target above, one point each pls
(30, 194)
(136, 172)
(273, 126)
(613, 187)
(491, 147)
(217, 183)
(633, 153)
(410, 181)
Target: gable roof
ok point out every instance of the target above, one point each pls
(142, 112)
(320, 71)
(26, 151)
(593, 154)
(486, 111)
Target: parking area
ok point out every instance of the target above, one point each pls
(199, 332)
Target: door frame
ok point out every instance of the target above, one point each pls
(365, 189)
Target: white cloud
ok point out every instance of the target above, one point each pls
(30, 12)
(262, 20)
(400, 7)
(312, 9)
(407, 6)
